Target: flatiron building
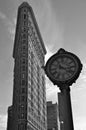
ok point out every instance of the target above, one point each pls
(28, 110)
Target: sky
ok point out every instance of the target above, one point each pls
(62, 23)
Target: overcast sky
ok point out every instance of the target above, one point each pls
(62, 23)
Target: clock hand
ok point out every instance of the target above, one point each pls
(69, 71)
(66, 66)
(61, 67)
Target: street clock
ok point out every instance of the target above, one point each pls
(63, 68)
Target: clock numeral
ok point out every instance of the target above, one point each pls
(70, 71)
(71, 63)
(53, 67)
(72, 68)
(59, 60)
(53, 72)
(60, 77)
(55, 75)
(66, 75)
(58, 74)
(64, 59)
(55, 63)
(63, 76)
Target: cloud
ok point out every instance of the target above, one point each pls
(52, 32)
(10, 24)
(11, 28)
(83, 74)
(51, 89)
(3, 122)
(49, 26)
(49, 53)
(2, 15)
(80, 123)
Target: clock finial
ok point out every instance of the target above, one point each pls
(61, 51)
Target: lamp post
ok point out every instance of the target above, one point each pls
(63, 68)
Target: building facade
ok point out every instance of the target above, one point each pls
(29, 93)
(9, 121)
(52, 116)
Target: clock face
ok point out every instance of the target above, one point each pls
(63, 68)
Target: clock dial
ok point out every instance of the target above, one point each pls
(62, 68)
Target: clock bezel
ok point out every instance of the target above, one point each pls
(71, 79)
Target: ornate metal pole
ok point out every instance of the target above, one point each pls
(63, 68)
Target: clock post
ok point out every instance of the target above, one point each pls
(65, 109)
(63, 69)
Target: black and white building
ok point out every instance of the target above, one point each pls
(29, 92)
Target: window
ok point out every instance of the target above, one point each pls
(24, 35)
(23, 61)
(32, 89)
(21, 126)
(21, 108)
(29, 22)
(24, 41)
(38, 74)
(25, 23)
(31, 96)
(23, 67)
(25, 10)
(39, 112)
(23, 47)
(30, 31)
(31, 104)
(24, 29)
(22, 98)
(23, 90)
(22, 115)
(23, 82)
(23, 76)
(24, 16)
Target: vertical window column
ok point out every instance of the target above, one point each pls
(38, 84)
(32, 79)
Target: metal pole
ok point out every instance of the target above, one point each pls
(65, 110)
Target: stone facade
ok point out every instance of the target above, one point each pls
(29, 94)
(10, 120)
